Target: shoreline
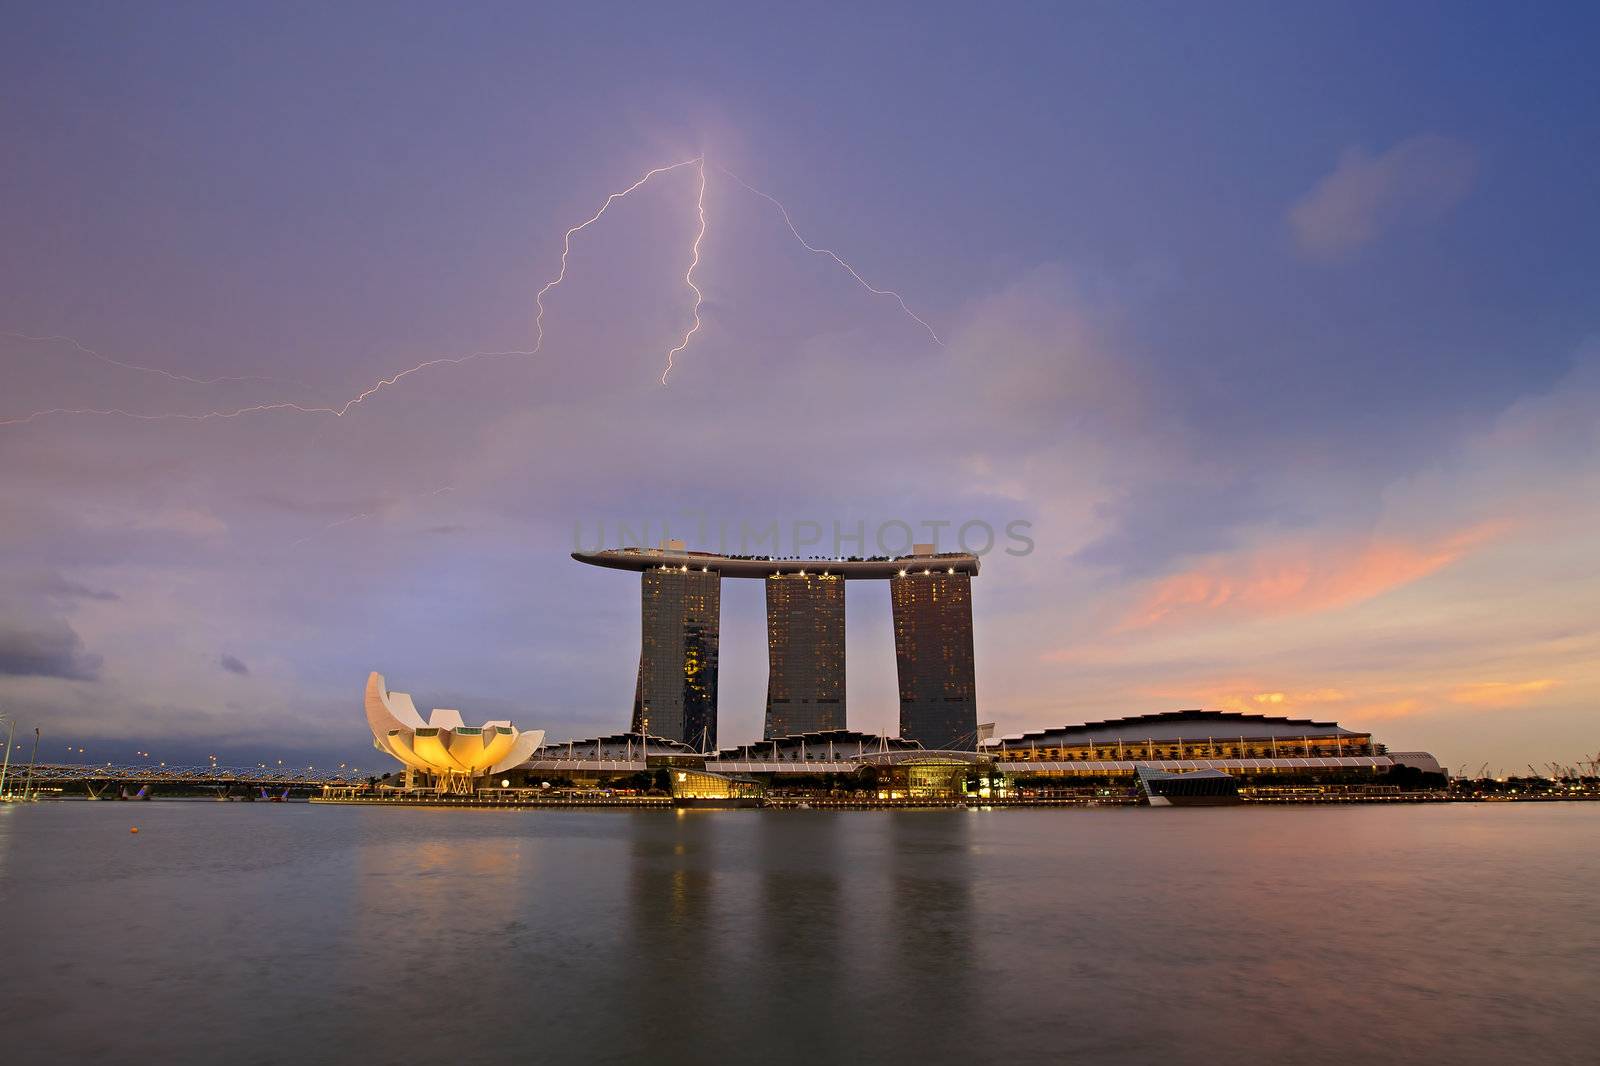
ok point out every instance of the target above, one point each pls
(837, 804)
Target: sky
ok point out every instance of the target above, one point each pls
(1275, 327)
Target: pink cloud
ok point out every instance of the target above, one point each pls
(1298, 578)
(1502, 693)
(1348, 706)
(1417, 179)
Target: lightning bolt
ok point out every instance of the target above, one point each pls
(566, 241)
(280, 405)
(340, 410)
(773, 200)
(347, 519)
(56, 338)
(331, 525)
(688, 277)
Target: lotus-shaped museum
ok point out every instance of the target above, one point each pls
(452, 753)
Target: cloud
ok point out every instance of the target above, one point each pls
(52, 649)
(1262, 700)
(184, 521)
(1416, 180)
(62, 588)
(1384, 710)
(1298, 578)
(234, 665)
(1379, 699)
(1502, 693)
(1160, 521)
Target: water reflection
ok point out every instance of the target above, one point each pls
(930, 994)
(799, 921)
(267, 933)
(672, 973)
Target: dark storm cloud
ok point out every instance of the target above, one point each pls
(45, 649)
(234, 665)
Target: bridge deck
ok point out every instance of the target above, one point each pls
(62, 773)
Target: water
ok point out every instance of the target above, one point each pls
(270, 933)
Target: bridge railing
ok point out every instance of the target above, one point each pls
(59, 773)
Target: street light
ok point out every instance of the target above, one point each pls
(6, 765)
(27, 789)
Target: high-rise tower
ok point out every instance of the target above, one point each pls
(933, 653)
(805, 653)
(681, 600)
(677, 686)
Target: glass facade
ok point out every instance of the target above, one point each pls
(933, 653)
(934, 780)
(703, 784)
(1272, 747)
(677, 685)
(805, 654)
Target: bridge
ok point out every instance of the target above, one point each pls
(94, 778)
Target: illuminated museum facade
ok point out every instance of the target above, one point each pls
(443, 754)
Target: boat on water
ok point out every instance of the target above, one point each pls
(1196, 788)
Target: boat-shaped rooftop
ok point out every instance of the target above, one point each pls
(763, 566)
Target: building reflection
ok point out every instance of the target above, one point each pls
(933, 870)
(671, 908)
(800, 921)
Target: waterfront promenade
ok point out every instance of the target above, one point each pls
(493, 799)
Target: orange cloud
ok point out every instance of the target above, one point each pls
(1384, 709)
(1295, 699)
(1397, 699)
(1298, 579)
(1351, 708)
(1502, 693)
(1232, 699)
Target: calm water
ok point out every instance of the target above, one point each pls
(278, 932)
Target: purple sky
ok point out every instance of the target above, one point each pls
(1278, 325)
